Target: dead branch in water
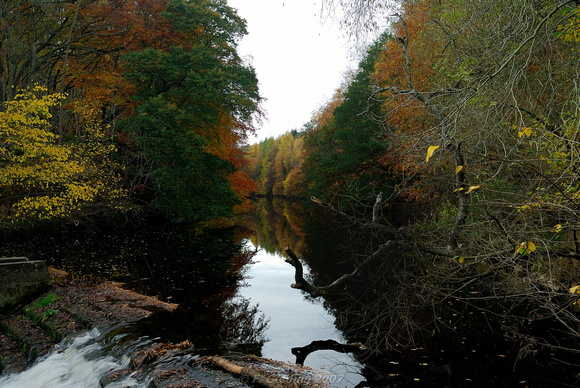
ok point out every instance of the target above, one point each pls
(302, 352)
(338, 284)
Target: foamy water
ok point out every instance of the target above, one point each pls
(78, 363)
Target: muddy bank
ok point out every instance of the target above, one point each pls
(70, 307)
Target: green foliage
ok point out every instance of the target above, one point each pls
(185, 97)
(348, 146)
(122, 61)
(189, 183)
(45, 301)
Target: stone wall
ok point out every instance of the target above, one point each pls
(20, 277)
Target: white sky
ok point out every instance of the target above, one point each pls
(300, 61)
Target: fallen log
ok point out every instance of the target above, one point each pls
(338, 284)
(302, 352)
(253, 375)
(270, 373)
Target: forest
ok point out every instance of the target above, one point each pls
(117, 110)
(452, 151)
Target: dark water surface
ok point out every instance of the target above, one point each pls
(234, 295)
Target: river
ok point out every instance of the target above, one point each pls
(233, 291)
(232, 287)
(295, 320)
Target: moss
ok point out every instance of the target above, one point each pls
(22, 342)
(41, 318)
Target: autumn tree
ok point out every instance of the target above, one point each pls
(277, 165)
(346, 141)
(41, 180)
(480, 96)
(191, 99)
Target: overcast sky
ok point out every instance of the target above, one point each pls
(300, 61)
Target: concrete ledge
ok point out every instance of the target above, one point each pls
(20, 277)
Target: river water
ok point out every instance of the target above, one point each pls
(79, 362)
(233, 293)
(232, 287)
(295, 320)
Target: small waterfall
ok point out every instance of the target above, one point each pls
(82, 362)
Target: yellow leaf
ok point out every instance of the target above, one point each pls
(459, 189)
(461, 260)
(525, 207)
(527, 131)
(430, 151)
(574, 290)
(471, 188)
(458, 168)
(557, 229)
(526, 248)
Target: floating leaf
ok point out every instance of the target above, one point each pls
(458, 168)
(527, 131)
(471, 188)
(430, 151)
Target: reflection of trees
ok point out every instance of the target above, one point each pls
(412, 313)
(200, 271)
(243, 327)
(278, 223)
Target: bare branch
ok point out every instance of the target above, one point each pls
(340, 283)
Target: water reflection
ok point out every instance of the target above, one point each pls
(201, 272)
(225, 303)
(295, 320)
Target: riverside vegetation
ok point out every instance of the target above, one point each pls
(452, 151)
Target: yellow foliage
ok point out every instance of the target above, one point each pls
(471, 188)
(41, 179)
(574, 290)
(525, 131)
(430, 152)
(526, 248)
(570, 31)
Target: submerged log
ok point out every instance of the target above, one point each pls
(302, 352)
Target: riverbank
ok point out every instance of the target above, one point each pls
(71, 307)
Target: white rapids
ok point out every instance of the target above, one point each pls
(82, 362)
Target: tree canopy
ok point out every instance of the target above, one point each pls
(173, 99)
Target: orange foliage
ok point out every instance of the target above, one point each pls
(404, 112)
(224, 141)
(122, 26)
